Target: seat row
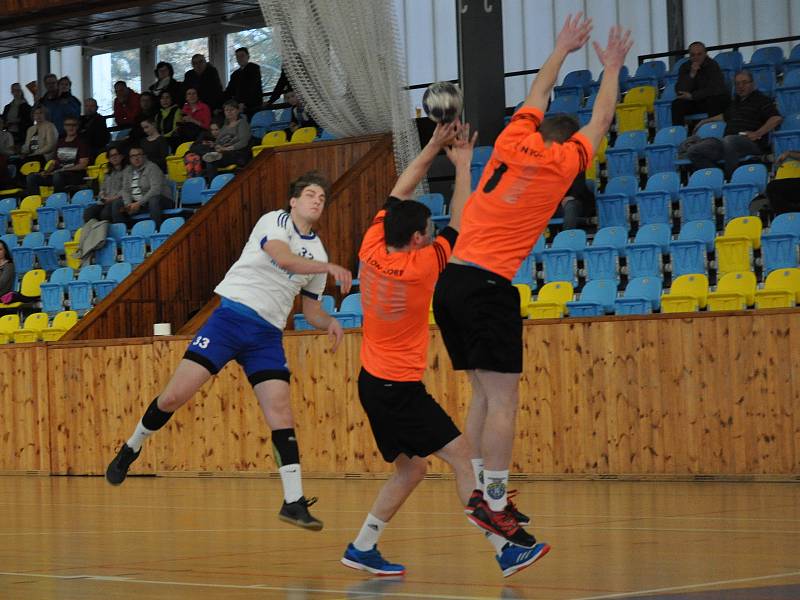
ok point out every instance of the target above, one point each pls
(37, 327)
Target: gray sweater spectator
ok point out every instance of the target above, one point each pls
(41, 137)
(233, 142)
(144, 188)
(110, 189)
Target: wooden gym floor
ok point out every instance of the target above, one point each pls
(176, 538)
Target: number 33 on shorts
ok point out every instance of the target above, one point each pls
(201, 341)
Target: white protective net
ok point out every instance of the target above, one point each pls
(345, 61)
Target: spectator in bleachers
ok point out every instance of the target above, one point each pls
(7, 272)
(168, 117)
(300, 117)
(93, 129)
(782, 195)
(701, 86)
(156, 147)
(126, 105)
(577, 204)
(17, 114)
(195, 166)
(245, 84)
(148, 105)
(6, 140)
(281, 87)
(165, 82)
(233, 142)
(748, 120)
(196, 117)
(144, 188)
(40, 139)
(69, 164)
(49, 100)
(110, 188)
(204, 78)
(68, 105)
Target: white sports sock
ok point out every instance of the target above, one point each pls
(477, 468)
(139, 436)
(291, 477)
(496, 484)
(370, 532)
(497, 541)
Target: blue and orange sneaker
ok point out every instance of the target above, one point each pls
(515, 558)
(370, 561)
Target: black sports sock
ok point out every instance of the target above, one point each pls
(284, 443)
(154, 418)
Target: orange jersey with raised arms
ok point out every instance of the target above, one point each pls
(396, 292)
(519, 191)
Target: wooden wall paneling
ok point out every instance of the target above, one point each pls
(780, 385)
(650, 395)
(93, 392)
(536, 426)
(596, 361)
(711, 430)
(24, 411)
(793, 399)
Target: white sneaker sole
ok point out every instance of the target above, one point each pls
(359, 567)
(516, 568)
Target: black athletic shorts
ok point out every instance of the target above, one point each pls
(404, 417)
(478, 314)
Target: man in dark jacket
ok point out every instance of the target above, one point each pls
(245, 84)
(93, 129)
(17, 114)
(748, 120)
(701, 86)
(205, 79)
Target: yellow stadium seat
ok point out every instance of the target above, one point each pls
(176, 170)
(524, 298)
(733, 254)
(46, 191)
(304, 135)
(5, 338)
(592, 170)
(10, 192)
(63, 321)
(30, 286)
(22, 218)
(600, 153)
(644, 95)
(34, 324)
(788, 170)
(270, 140)
(552, 301)
(94, 171)
(781, 289)
(689, 293)
(9, 324)
(32, 166)
(735, 291)
(748, 227)
(631, 117)
(31, 203)
(49, 164)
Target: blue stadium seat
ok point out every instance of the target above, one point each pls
(527, 272)
(596, 299)
(480, 156)
(663, 152)
(47, 215)
(614, 237)
(260, 123)
(564, 104)
(704, 231)
(117, 231)
(434, 202)
(48, 255)
(114, 276)
(642, 296)
(613, 204)
(787, 136)
(134, 245)
(576, 83)
(688, 256)
(792, 62)
(730, 60)
(649, 73)
(713, 129)
(655, 202)
(768, 55)
(106, 256)
(168, 227)
(538, 248)
(350, 312)
(623, 158)
(328, 303)
(644, 255)
(10, 239)
(746, 183)
(52, 291)
(697, 198)
(192, 192)
(23, 259)
(779, 247)
(601, 259)
(33, 240)
(219, 182)
(788, 94)
(585, 113)
(80, 291)
(560, 264)
(764, 77)
(573, 239)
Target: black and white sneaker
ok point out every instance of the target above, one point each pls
(117, 470)
(296, 513)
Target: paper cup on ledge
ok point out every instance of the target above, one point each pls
(162, 328)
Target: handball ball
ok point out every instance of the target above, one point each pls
(442, 102)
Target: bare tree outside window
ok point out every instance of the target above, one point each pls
(262, 50)
(179, 55)
(109, 68)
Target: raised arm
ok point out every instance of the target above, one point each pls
(612, 58)
(418, 168)
(572, 37)
(460, 154)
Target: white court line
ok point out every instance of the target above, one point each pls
(255, 587)
(690, 587)
(408, 512)
(588, 526)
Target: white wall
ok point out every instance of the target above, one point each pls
(725, 22)
(16, 70)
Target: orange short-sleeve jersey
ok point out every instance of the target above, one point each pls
(519, 191)
(396, 292)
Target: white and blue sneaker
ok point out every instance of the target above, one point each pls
(515, 558)
(370, 561)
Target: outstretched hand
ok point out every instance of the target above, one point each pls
(444, 134)
(574, 34)
(460, 152)
(613, 56)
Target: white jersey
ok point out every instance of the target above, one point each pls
(256, 280)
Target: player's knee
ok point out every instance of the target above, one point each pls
(170, 401)
(413, 471)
